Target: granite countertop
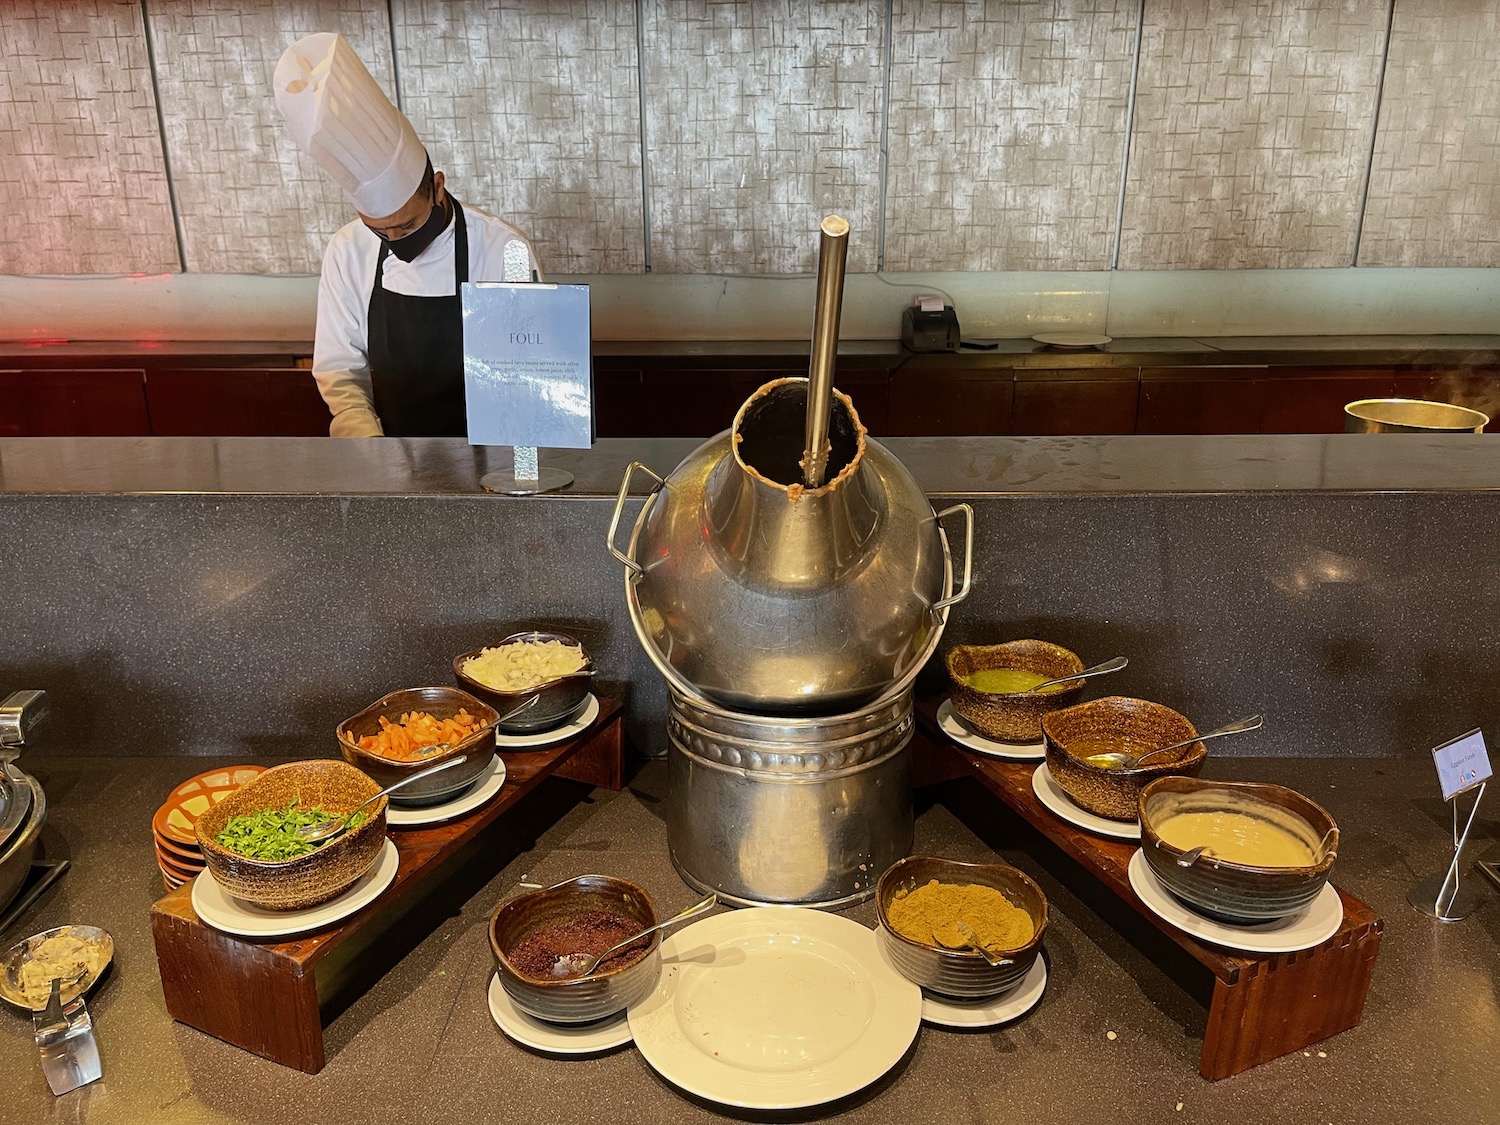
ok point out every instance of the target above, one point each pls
(420, 1045)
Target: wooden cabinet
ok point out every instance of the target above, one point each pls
(64, 402)
(1255, 399)
(235, 402)
(1068, 401)
(938, 398)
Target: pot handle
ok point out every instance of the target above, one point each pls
(614, 522)
(963, 591)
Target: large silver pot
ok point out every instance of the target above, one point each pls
(783, 811)
(18, 853)
(757, 593)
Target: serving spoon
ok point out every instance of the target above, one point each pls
(1193, 855)
(571, 966)
(971, 941)
(322, 830)
(1112, 665)
(1118, 759)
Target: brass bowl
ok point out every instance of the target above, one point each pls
(323, 873)
(441, 703)
(585, 999)
(959, 972)
(1010, 716)
(1116, 723)
(560, 696)
(1238, 893)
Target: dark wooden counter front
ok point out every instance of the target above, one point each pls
(1263, 1006)
(266, 996)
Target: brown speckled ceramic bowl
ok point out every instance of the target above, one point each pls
(1238, 893)
(322, 874)
(478, 750)
(1010, 716)
(589, 998)
(959, 972)
(1116, 723)
(559, 697)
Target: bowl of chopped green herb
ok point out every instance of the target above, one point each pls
(250, 844)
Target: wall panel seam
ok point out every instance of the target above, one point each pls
(161, 130)
(1364, 188)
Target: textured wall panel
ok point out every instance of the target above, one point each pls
(83, 188)
(1252, 133)
(1007, 133)
(533, 108)
(251, 200)
(1434, 195)
(761, 118)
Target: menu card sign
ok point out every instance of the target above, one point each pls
(528, 375)
(1462, 763)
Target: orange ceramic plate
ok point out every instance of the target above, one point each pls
(175, 819)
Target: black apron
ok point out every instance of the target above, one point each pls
(416, 351)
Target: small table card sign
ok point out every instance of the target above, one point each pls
(528, 372)
(1462, 763)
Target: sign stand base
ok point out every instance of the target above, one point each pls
(1440, 896)
(527, 478)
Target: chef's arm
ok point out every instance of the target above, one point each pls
(340, 363)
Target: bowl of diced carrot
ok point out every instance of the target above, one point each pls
(408, 731)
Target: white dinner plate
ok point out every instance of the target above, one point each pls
(1052, 795)
(485, 786)
(1073, 339)
(1315, 924)
(951, 723)
(223, 911)
(985, 1011)
(775, 1008)
(588, 711)
(555, 1038)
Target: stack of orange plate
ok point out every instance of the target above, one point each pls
(177, 851)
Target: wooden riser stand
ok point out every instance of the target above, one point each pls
(1263, 1006)
(265, 996)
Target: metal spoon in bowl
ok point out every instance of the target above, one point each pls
(441, 747)
(332, 826)
(971, 941)
(571, 966)
(1112, 665)
(1119, 760)
(1193, 855)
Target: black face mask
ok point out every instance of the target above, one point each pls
(407, 247)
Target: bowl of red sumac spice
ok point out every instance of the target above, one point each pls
(536, 936)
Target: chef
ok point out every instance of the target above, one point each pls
(388, 356)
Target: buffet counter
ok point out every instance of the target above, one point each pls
(193, 601)
(1113, 1039)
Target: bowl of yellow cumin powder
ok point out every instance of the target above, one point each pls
(931, 908)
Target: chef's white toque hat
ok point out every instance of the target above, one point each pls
(339, 114)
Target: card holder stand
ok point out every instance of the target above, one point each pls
(268, 996)
(1262, 1006)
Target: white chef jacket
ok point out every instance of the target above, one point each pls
(341, 363)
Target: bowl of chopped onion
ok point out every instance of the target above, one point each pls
(552, 668)
(407, 731)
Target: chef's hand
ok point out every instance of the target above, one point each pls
(357, 421)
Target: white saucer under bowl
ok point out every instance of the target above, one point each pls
(587, 712)
(555, 1038)
(223, 911)
(1315, 924)
(485, 786)
(1057, 801)
(951, 723)
(983, 1011)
